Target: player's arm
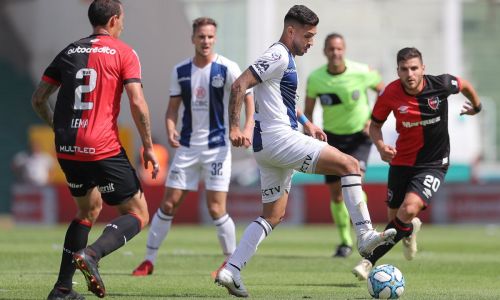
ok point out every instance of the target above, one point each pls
(239, 88)
(378, 89)
(140, 114)
(249, 121)
(474, 106)
(309, 107)
(40, 101)
(387, 152)
(310, 128)
(171, 120)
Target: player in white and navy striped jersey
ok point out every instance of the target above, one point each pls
(202, 85)
(280, 149)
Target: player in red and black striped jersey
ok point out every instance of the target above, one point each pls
(91, 74)
(420, 159)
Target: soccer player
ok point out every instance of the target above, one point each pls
(91, 74)
(341, 86)
(202, 84)
(419, 162)
(280, 149)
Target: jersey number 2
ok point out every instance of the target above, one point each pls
(85, 88)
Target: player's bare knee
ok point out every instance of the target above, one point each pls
(407, 212)
(337, 197)
(216, 211)
(168, 207)
(92, 212)
(349, 166)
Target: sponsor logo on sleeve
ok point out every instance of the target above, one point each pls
(403, 109)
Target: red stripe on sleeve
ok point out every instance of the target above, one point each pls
(50, 80)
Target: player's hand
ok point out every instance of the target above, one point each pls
(315, 131)
(387, 152)
(173, 139)
(238, 138)
(248, 133)
(150, 158)
(468, 109)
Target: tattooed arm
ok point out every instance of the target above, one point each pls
(140, 114)
(40, 101)
(238, 91)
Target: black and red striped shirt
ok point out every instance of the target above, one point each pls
(91, 73)
(421, 120)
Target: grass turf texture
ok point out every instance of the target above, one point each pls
(454, 262)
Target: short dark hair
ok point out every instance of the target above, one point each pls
(408, 53)
(100, 11)
(202, 21)
(332, 36)
(302, 14)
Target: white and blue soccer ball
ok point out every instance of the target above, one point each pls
(386, 282)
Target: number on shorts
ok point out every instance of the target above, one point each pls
(85, 88)
(432, 182)
(217, 169)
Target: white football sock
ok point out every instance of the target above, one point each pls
(158, 230)
(353, 198)
(254, 234)
(226, 233)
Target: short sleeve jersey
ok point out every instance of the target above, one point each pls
(276, 95)
(91, 73)
(421, 120)
(205, 96)
(343, 96)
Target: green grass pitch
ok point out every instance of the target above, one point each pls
(454, 262)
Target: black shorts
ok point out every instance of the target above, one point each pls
(423, 181)
(114, 177)
(357, 145)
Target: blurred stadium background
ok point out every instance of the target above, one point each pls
(461, 37)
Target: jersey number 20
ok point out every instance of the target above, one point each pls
(85, 88)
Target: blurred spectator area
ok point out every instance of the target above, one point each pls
(461, 37)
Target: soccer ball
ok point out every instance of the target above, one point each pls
(386, 282)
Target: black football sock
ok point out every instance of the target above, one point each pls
(402, 230)
(116, 234)
(76, 239)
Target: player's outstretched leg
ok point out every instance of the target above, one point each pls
(368, 241)
(88, 265)
(410, 243)
(232, 282)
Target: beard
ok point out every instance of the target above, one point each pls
(298, 49)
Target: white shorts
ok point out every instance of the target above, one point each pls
(281, 156)
(214, 165)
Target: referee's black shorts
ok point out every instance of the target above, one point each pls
(357, 145)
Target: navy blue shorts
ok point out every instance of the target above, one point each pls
(114, 177)
(423, 181)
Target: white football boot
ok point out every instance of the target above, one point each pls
(368, 241)
(362, 269)
(410, 243)
(232, 282)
